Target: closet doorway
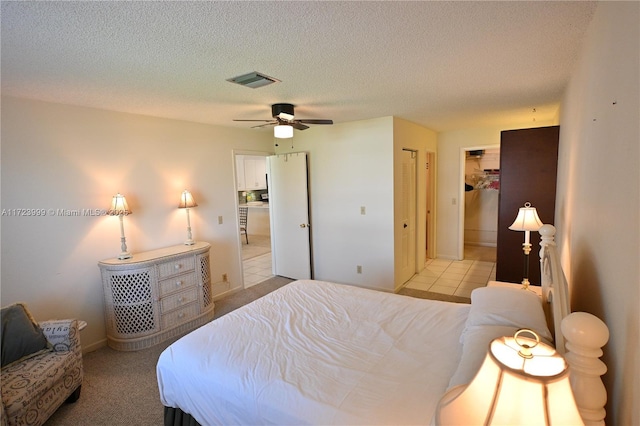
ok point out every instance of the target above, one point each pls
(480, 167)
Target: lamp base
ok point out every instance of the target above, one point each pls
(525, 284)
(189, 242)
(124, 255)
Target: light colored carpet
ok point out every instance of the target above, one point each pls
(121, 388)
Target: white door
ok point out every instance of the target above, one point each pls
(408, 215)
(289, 215)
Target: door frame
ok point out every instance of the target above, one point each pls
(430, 205)
(461, 192)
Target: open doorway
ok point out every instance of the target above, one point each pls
(253, 216)
(480, 174)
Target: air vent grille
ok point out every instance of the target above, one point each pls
(253, 80)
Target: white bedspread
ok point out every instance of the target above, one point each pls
(315, 352)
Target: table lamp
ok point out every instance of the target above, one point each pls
(527, 221)
(187, 202)
(120, 208)
(521, 382)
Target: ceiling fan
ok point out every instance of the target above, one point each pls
(283, 116)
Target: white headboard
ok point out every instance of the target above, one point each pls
(555, 291)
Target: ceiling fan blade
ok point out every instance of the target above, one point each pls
(235, 119)
(297, 125)
(312, 121)
(265, 124)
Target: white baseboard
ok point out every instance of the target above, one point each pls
(94, 346)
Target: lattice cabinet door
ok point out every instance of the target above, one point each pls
(206, 292)
(130, 300)
(156, 295)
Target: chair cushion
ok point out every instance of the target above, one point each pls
(20, 335)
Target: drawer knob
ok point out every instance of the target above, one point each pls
(181, 314)
(178, 266)
(180, 299)
(178, 283)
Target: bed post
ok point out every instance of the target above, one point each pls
(585, 335)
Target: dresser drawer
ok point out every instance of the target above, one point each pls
(178, 266)
(179, 316)
(178, 300)
(177, 283)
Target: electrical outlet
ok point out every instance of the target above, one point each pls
(225, 278)
(359, 269)
(219, 220)
(363, 210)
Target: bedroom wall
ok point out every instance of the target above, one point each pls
(64, 157)
(598, 198)
(350, 165)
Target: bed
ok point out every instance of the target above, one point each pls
(315, 352)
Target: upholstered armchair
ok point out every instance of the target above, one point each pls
(41, 366)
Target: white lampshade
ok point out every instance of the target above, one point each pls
(186, 200)
(527, 219)
(521, 382)
(119, 206)
(283, 131)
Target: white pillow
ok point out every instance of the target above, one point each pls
(511, 307)
(476, 340)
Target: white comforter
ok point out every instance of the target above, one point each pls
(315, 352)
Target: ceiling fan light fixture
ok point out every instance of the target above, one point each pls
(283, 131)
(285, 116)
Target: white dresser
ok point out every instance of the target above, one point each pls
(156, 295)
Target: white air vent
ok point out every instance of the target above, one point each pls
(253, 80)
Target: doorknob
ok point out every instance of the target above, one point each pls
(405, 225)
(303, 225)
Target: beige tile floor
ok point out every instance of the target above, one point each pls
(256, 262)
(257, 269)
(451, 277)
(455, 277)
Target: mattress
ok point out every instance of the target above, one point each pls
(315, 352)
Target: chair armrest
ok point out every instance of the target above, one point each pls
(64, 335)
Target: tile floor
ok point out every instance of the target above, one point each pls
(451, 277)
(455, 277)
(257, 269)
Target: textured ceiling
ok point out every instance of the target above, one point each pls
(444, 65)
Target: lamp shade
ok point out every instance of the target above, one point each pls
(520, 382)
(186, 200)
(283, 131)
(527, 219)
(119, 206)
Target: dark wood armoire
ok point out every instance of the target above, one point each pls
(528, 169)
